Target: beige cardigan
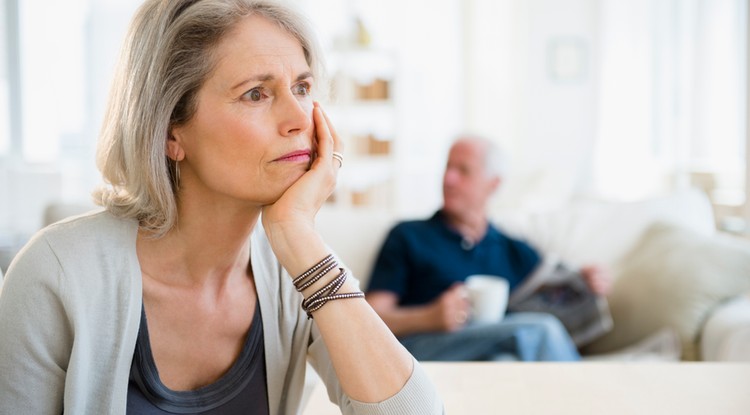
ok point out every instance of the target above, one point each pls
(69, 316)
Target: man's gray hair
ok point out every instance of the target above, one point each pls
(167, 56)
(495, 160)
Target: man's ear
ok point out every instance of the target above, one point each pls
(495, 183)
(174, 148)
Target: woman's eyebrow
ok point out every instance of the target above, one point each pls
(304, 75)
(256, 78)
(269, 77)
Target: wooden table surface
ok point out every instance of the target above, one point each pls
(582, 388)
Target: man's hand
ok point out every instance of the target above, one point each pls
(450, 311)
(598, 278)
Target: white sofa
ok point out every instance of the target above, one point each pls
(673, 271)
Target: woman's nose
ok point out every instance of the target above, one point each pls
(293, 114)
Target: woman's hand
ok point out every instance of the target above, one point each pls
(301, 202)
(288, 220)
(360, 345)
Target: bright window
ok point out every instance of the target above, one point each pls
(4, 83)
(673, 97)
(53, 71)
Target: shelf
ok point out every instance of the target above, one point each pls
(363, 65)
(365, 112)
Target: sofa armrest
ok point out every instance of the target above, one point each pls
(355, 234)
(726, 333)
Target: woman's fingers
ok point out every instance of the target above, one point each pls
(328, 140)
(322, 132)
(337, 144)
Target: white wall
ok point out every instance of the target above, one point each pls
(464, 65)
(532, 84)
(66, 91)
(484, 66)
(426, 38)
(477, 65)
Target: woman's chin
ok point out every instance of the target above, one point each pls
(287, 182)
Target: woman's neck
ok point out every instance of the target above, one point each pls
(199, 249)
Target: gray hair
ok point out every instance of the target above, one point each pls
(495, 160)
(167, 56)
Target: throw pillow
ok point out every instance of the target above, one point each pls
(673, 277)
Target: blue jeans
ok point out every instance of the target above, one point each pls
(519, 336)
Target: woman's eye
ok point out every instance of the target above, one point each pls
(302, 89)
(254, 95)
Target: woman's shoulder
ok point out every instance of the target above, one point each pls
(83, 251)
(96, 226)
(83, 237)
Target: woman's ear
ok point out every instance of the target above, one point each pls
(174, 148)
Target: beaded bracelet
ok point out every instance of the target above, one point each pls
(320, 302)
(325, 270)
(332, 287)
(329, 292)
(299, 280)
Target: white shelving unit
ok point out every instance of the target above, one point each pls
(364, 108)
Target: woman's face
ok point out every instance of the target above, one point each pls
(251, 136)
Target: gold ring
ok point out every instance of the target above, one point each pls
(340, 157)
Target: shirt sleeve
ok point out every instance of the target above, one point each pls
(391, 267)
(523, 258)
(36, 339)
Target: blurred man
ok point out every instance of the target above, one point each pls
(417, 282)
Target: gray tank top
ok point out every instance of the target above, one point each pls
(242, 390)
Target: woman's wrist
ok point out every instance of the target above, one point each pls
(296, 245)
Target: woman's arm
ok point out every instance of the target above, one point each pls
(371, 365)
(417, 397)
(35, 338)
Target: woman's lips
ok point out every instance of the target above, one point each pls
(301, 155)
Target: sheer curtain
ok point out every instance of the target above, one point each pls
(672, 96)
(4, 79)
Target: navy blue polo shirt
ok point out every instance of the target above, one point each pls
(421, 259)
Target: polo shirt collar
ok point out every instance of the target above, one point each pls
(492, 233)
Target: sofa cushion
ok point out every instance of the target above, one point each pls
(673, 277)
(602, 232)
(726, 334)
(355, 234)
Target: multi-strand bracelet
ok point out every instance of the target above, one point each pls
(329, 292)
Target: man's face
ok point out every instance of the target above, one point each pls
(466, 184)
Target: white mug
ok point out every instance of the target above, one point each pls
(488, 296)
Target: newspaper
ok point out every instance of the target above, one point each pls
(559, 290)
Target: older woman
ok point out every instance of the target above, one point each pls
(185, 293)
